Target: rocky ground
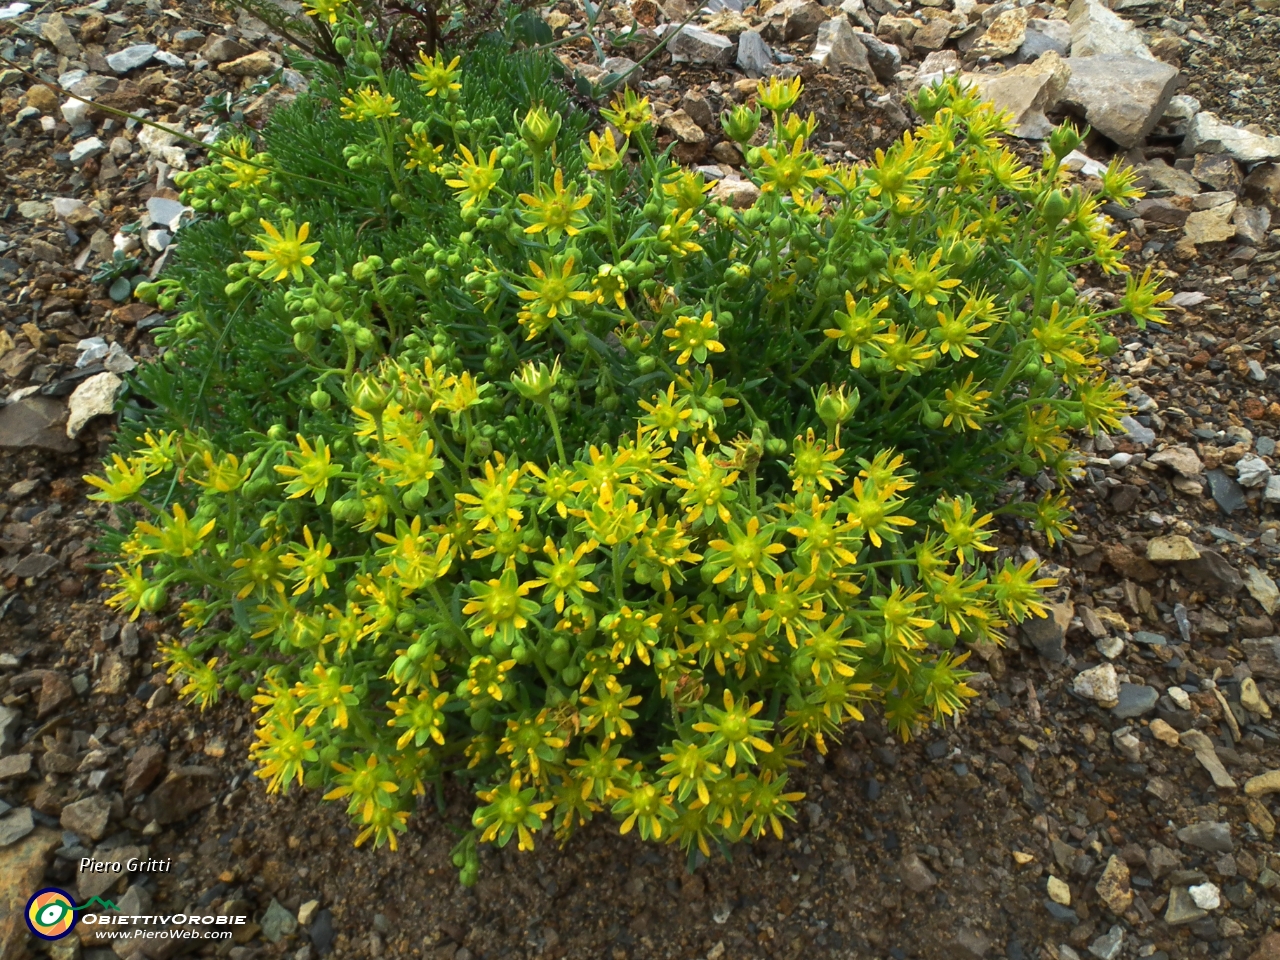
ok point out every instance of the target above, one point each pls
(1109, 796)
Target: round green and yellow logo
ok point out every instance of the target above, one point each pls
(51, 914)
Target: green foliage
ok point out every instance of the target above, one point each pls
(480, 448)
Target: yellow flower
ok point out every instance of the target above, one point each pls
(1060, 338)
(629, 113)
(244, 171)
(903, 350)
(313, 471)
(436, 77)
(857, 326)
(285, 254)
(551, 293)
(224, 476)
(892, 176)
(964, 404)
(369, 103)
(602, 154)
(778, 95)
(475, 178)
(796, 172)
(676, 235)
(324, 9)
(693, 337)
(1142, 299)
(666, 414)
(927, 282)
(311, 562)
(555, 209)
(281, 749)
(610, 285)
(132, 585)
(122, 481)
(422, 152)
(175, 537)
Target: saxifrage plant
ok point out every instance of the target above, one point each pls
(530, 465)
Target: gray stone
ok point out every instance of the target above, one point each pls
(1123, 97)
(1135, 701)
(1182, 909)
(1262, 588)
(885, 58)
(1027, 91)
(1252, 224)
(76, 112)
(695, 45)
(1262, 185)
(1263, 656)
(795, 19)
(1179, 182)
(1098, 683)
(838, 47)
(32, 566)
(1137, 432)
(1212, 224)
(170, 59)
(87, 818)
(856, 10)
(1043, 36)
(1149, 639)
(915, 874)
(973, 942)
(1048, 634)
(164, 212)
(86, 148)
(35, 422)
(10, 721)
(755, 59)
(1272, 493)
(188, 39)
(15, 825)
(1207, 134)
(223, 50)
(277, 922)
(1211, 572)
(1210, 835)
(1252, 471)
(93, 397)
(1108, 946)
(1181, 460)
(1208, 757)
(1226, 493)
(94, 85)
(131, 58)
(1004, 35)
(56, 31)
(624, 67)
(1095, 31)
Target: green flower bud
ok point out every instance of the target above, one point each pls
(539, 129)
(342, 45)
(153, 599)
(740, 123)
(1063, 140)
(1055, 208)
(320, 399)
